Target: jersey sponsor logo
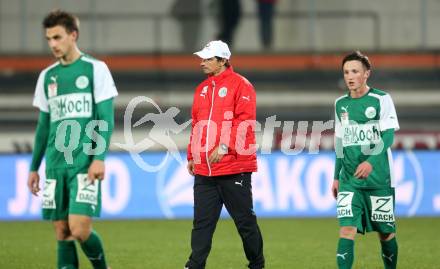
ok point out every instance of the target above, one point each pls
(87, 190)
(204, 91)
(344, 115)
(74, 105)
(222, 92)
(370, 112)
(344, 118)
(48, 201)
(382, 209)
(361, 134)
(52, 87)
(82, 82)
(343, 204)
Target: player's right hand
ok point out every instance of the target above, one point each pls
(190, 167)
(335, 188)
(34, 183)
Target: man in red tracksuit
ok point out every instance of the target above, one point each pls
(222, 156)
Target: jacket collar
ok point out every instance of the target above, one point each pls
(229, 71)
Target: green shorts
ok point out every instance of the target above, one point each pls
(367, 209)
(68, 192)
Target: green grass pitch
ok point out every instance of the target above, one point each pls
(164, 244)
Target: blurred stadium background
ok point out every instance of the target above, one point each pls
(148, 46)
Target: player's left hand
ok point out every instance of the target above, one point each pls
(215, 156)
(335, 188)
(96, 170)
(363, 170)
(33, 182)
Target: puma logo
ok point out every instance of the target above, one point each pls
(390, 258)
(391, 225)
(246, 97)
(341, 255)
(239, 183)
(97, 258)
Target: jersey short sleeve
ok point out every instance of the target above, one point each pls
(338, 125)
(104, 86)
(40, 99)
(388, 115)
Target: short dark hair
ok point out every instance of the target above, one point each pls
(227, 63)
(62, 18)
(357, 56)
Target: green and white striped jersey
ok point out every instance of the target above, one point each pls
(359, 123)
(69, 93)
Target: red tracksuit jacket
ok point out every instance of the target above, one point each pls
(224, 111)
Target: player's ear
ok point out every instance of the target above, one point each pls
(74, 35)
(367, 74)
(222, 61)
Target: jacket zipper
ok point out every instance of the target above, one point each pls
(209, 123)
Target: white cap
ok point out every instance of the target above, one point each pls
(214, 48)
